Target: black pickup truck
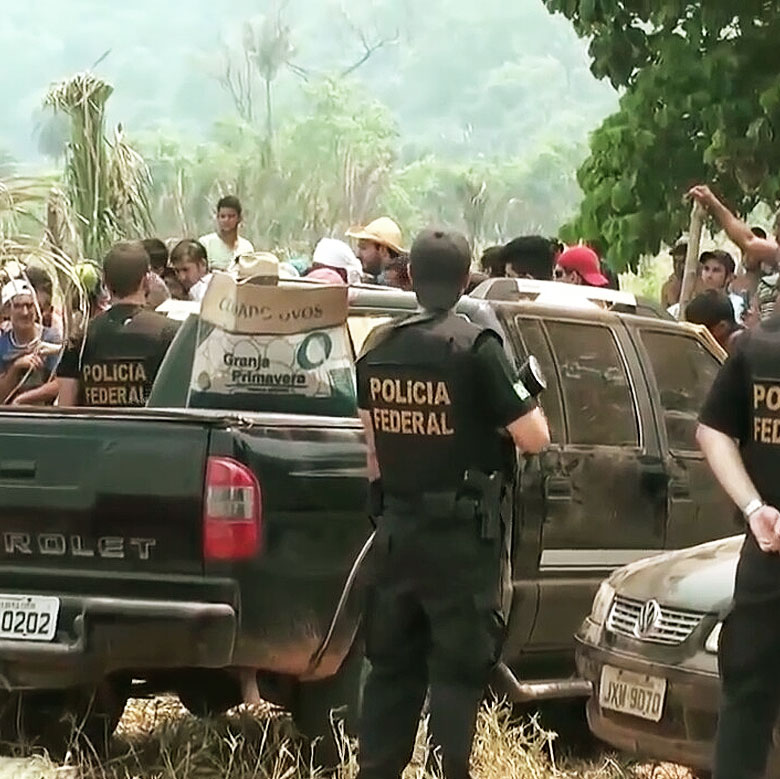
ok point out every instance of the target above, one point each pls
(173, 548)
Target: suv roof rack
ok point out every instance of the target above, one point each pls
(555, 293)
(552, 293)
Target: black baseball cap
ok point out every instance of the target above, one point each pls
(724, 258)
(440, 260)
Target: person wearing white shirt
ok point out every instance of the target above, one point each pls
(716, 270)
(226, 245)
(189, 260)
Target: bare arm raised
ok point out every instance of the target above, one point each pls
(755, 250)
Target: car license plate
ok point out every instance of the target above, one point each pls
(28, 617)
(632, 693)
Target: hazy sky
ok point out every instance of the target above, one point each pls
(453, 64)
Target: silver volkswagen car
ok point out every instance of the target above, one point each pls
(649, 648)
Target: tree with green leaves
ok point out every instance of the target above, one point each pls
(701, 103)
(331, 162)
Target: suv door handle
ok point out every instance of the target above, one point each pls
(17, 469)
(679, 489)
(557, 488)
(653, 477)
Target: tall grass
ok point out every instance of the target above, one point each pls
(157, 739)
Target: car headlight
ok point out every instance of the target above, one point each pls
(711, 644)
(601, 603)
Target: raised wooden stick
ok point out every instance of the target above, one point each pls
(698, 215)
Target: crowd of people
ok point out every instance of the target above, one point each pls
(43, 362)
(725, 300)
(36, 365)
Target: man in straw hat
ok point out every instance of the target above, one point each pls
(379, 242)
(260, 267)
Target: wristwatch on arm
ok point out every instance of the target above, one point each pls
(752, 507)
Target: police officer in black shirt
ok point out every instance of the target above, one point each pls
(124, 345)
(740, 436)
(437, 397)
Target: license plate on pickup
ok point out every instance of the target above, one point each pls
(632, 693)
(28, 617)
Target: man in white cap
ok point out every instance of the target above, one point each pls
(28, 351)
(335, 255)
(379, 242)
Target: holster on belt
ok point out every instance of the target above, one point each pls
(488, 488)
(375, 504)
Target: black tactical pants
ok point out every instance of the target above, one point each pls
(749, 659)
(433, 621)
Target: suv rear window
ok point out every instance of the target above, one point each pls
(599, 403)
(534, 342)
(684, 372)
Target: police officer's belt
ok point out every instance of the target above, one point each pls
(478, 490)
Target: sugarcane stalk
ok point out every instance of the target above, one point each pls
(691, 273)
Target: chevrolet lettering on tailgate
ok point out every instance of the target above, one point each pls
(61, 545)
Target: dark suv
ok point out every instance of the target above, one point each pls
(623, 478)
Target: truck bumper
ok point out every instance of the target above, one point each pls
(97, 636)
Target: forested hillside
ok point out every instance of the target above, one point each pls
(474, 113)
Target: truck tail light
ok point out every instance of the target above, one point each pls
(232, 513)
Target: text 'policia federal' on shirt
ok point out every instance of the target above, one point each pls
(114, 383)
(414, 420)
(766, 401)
(123, 351)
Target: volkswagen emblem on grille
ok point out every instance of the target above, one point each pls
(647, 619)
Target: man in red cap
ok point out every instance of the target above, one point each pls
(580, 265)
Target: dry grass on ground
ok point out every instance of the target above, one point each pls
(158, 739)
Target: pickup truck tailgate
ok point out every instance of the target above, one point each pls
(104, 493)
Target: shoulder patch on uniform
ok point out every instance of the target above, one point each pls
(520, 390)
